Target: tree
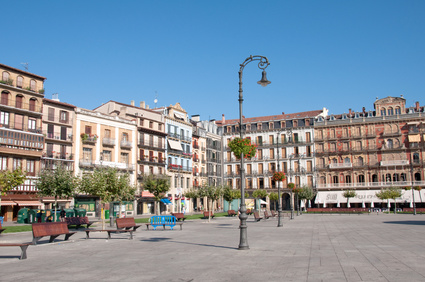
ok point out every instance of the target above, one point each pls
(192, 194)
(274, 197)
(107, 184)
(57, 183)
(212, 193)
(390, 193)
(158, 185)
(259, 194)
(349, 194)
(9, 180)
(230, 194)
(306, 193)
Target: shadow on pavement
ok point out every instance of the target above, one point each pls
(155, 239)
(407, 222)
(205, 245)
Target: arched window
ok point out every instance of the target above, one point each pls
(348, 179)
(19, 81)
(19, 101)
(5, 76)
(388, 177)
(390, 144)
(4, 98)
(417, 176)
(383, 111)
(360, 161)
(347, 160)
(416, 158)
(403, 177)
(374, 178)
(360, 178)
(32, 104)
(335, 179)
(396, 177)
(390, 111)
(397, 111)
(33, 84)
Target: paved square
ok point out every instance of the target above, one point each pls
(309, 248)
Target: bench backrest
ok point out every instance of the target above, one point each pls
(178, 214)
(208, 213)
(125, 222)
(49, 228)
(163, 219)
(77, 220)
(256, 215)
(266, 214)
(231, 212)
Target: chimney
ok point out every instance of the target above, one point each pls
(142, 104)
(417, 106)
(196, 118)
(147, 107)
(364, 110)
(349, 112)
(55, 97)
(283, 113)
(223, 119)
(132, 102)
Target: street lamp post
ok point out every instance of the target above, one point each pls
(413, 190)
(279, 204)
(263, 64)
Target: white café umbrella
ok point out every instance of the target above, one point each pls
(372, 205)
(388, 204)
(338, 204)
(324, 204)
(363, 204)
(411, 204)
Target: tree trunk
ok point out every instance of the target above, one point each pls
(103, 218)
(56, 204)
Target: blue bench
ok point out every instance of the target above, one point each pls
(163, 220)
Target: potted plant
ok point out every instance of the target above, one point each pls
(84, 136)
(243, 146)
(279, 176)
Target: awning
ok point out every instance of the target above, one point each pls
(179, 116)
(414, 138)
(262, 202)
(29, 203)
(166, 201)
(369, 196)
(8, 203)
(147, 194)
(175, 145)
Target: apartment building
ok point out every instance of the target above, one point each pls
(369, 150)
(151, 148)
(104, 140)
(21, 138)
(179, 154)
(284, 140)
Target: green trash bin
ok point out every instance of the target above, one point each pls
(23, 216)
(80, 212)
(69, 212)
(33, 215)
(106, 214)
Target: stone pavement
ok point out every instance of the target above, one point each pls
(309, 248)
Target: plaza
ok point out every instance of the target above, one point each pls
(312, 247)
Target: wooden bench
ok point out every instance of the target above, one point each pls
(52, 229)
(109, 232)
(257, 216)
(266, 215)
(127, 223)
(274, 214)
(231, 213)
(179, 216)
(23, 246)
(248, 211)
(2, 229)
(78, 221)
(208, 214)
(163, 220)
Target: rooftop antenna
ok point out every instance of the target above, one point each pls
(25, 66)
(156, 100)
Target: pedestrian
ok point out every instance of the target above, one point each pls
(49, 218)
(62, 215)
(38, 216)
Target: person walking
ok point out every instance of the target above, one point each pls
(62, 215)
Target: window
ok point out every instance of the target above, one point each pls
(64, 116)
(390, 111)
(160, 127)
(151, 124)
(18, 101)
(383, 112)
(4, 98)
(31, 167)
(19, 122)
(51, 114)
(17, 163)
(32, 104)
(107, 133)
(397, 111)
(107, 156)
(63, 133)
(87, 154)
(32, 84)
(5, 76)
(3, 163)
(124, 158)
(19, 81)
(4, 118)
(87, 129)
(31, 124)
(125, 136)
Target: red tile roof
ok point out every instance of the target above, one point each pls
(299, 115)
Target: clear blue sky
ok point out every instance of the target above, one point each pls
(334, 54)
